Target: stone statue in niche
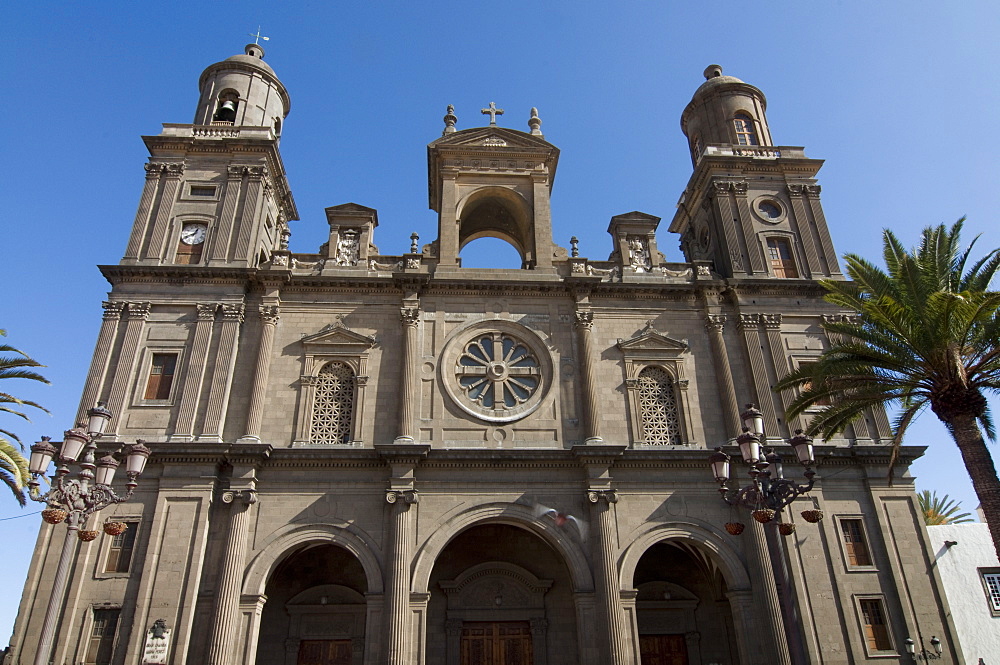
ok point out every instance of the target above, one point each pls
(347, 249)
(638, 254)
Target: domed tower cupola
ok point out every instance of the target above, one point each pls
(725, 111)
(243, 91)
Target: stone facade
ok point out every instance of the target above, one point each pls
(361, 458)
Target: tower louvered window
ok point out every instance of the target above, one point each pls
(333, 406)
(658, 408)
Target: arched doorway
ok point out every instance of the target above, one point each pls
(500, 595)
(683, 615)
(315, 612)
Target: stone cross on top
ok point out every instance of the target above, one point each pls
(493, 112)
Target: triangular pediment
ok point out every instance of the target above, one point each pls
(337, 335)
(352, 207)
(636, 216)
(491, 137)
(650, 339)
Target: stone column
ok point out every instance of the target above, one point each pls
(749, 325)
(102, 353)
(608, 587)
(136, 316)
(772, 330)
(397, 604)
(222, 373)
(754, 251)
(771, 639)
(255, 412)
(153, 171)
(226, 618)
(714, 324)
(801, 223)
(195, 374)
(248, 219)
(591, 412)
(411, 356)
(155, 250)
(822, 230)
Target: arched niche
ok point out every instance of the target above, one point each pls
(498, 212)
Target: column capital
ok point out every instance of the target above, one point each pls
(236, 171)
(715, 322)
(206, 311)
(153, 170)
(257, 172)
(596, 496)
(740, 188)
(410, 316)
(269, 314)
(748, 321)
(771, 321)
(173, 169)
(409, 497)
(233, 312)
(112, 309)
(249, 497)
(585, 319)
(138, 310)
(812, 191)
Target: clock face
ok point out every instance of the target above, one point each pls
(193, 234)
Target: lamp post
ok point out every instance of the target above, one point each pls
(75, 499)
(924, 654)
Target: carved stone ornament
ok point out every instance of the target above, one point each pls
(233, 313)
(409, 497)
(796, 190)
(236, 171)
(410, 316)
(348, 248)
(813, 191)
(715, 322)
(772, 321)
(153, 169)
(174, 170)
(722, 186)
(748, 321)
(138, 310)
(610, 496)
(113, 309)
(279, 260)
(249, 497)
(740, 188)
(269, 314)
(585, 319)
(638, 253)
(412, 263)
(257, 172)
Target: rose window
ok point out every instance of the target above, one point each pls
(658, 408)
(498, 372)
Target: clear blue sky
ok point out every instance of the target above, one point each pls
(900, 98)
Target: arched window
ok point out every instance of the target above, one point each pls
(333, 405)
(745, 133)
(658, 408)
(226, 109)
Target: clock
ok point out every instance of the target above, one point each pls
(193, 234)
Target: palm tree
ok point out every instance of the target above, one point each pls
(928, 334)
(941, 510)
(13, 466)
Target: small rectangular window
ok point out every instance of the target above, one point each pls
(825, 401)
(991, 581)
(855, 545)
(120, 552)
(873, 621)
(161, 376)
(102, 637)
(202, 191)
(782, 264)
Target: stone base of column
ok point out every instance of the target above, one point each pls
(593, 441)
(403, 441)
(248, 438)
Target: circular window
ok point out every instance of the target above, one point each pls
(497, 371)
(769, 209)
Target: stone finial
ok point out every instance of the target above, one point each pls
(713, 71)
(449, 121)
(574, 244)
(535, 122)
(413, 243)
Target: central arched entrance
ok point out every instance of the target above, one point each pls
(500, 595)
(316, 611)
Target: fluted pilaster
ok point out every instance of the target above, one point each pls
(195, 374)
(591, 412)
(410, 317)
(226, 617)
(136, 315)
(102, 354)
(714, 324)
(255, 183)
(770, 626)
(153, 172)
(221, 238)
(222, 373)
(171, 182)
(255, 412)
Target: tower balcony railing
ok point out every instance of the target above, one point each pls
(753, 151)
(218, 130)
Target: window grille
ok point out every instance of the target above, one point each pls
(658, 408)
(992, 581)
(333, 405)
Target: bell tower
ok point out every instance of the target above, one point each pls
(493, 182)
(750, 207)
(216, 192)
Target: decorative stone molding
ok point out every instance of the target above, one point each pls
(715, 322)
(813, 191)
(153, 170)
(138, 310)
(269, 314)
(748, 321)
(585, 319)
(173, 169)
(410, 316)
(206, 311)
(740, 188)
(113, 309)
(233, 312)
(796, 190)
(771, 321)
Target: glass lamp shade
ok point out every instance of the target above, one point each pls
(106, 467)
(911, 646)
(936, 643)
(135, 458)
(774, 459)
(73, 442)
(749, 446)
(803, 446)
(41, 454)
(98, 419)
(753, 420)
(719, 462)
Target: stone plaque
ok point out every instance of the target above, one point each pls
(154, 652)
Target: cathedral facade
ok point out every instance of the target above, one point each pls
(368, 459)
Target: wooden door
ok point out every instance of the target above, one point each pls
(496, 643)
(325, 652)
(663, 650)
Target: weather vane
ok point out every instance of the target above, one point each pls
(257, 37)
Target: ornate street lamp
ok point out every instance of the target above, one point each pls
(924, 654)
(769, 492)
(73, 500)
